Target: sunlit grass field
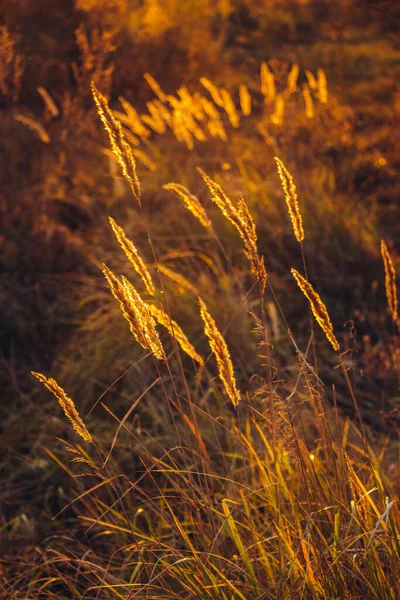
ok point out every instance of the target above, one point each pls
(200, 304)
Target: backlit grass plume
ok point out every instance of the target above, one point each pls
(131, 252)
(390, 281)
(318, 308)
(155, 87)
(243, 221)
(230, 108)
(214, 91)
(66, 404)
(119, 145)
(175, 331)
(221, 353)
(245, 100)
(191, 202)
(289, 190)
(136, 312)
(178, 278)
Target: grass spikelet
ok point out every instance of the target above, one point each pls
(242, 219)
(308, 102)
(66, 404)
(162, 111)
(133, 119)
(135, 311)
(221, 353)
(34, 126)
(292, 79)
(312, 82)
(175, 331)
(213, 90)
(248, 234)
(210, 110)
(267, 82)
(230, 108)
(245, 100)
(144, 159)
(390, 281)
(178, 278)
(48, 101)
(289, 190)
(220, 198)
(318, 308)
(216, 129)
(322, 87)
(156, 116)
(155, 87)
(119, 145)
(133, 255)
(277, 115)
(191, 202)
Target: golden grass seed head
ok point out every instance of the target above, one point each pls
(390, 281)
(290, 192)
(133, 255)
(221, 353)
(175, 331)
(66, 404)
(318, 308)
(191, 202)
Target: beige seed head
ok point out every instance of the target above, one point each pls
(66, 404)
(318, 308)
(221, 353)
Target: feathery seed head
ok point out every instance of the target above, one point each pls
(318, 308)
(133, 255)
(221, 353)
(390, 281)
(135, 311)
(119, 145)
(289, 190)
(175, 331)
(191, 202)
(66, 404)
